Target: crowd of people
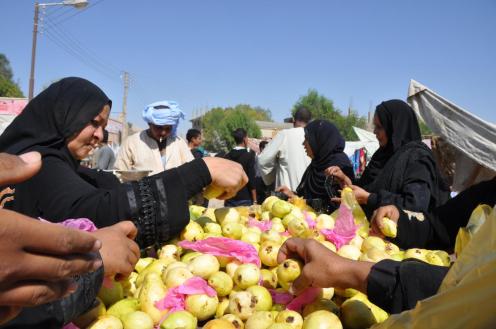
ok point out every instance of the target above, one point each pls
(51, 274)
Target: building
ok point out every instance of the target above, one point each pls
(270, 129)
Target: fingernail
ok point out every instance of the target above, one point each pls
(97, 264)
(71, 289)
(31, 157)
(97, 245)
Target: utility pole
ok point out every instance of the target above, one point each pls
(33, 50)
(125, 77)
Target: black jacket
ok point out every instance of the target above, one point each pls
(247, 160)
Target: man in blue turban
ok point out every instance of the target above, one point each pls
(157, 148)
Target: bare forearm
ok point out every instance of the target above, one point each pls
(354, 274)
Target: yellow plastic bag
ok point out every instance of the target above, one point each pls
(467, 294)
(477, 218)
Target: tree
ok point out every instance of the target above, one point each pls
(8, 88)
(323, 108)
(219, 123)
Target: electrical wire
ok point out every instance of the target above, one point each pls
(65, 19)
(71, 45)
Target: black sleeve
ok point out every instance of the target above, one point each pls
(398, 286)
(414, 196)
(57, 314)
(251, 172)
(159, 203)
(439, 229)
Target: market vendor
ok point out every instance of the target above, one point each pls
(64, 123)
(402, 171)
(324, 145)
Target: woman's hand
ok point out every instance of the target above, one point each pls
(119, 252)
(322, 267)
(387, 211)
(227, 176)
(286, 190)
(339, 175)
(361, 195)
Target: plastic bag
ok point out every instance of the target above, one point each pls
(348, 199)
(465, 234)
(466, 296)
(242, 251)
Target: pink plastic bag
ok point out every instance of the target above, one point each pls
(279, 297)
(309, 220)
(218, 246)
(263, 225)
(175, 298)
(344, 229)
(306, 297)
(82, 224)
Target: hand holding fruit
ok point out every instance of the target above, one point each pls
(322, 267)
(384, 221)
(119, 252)
(228, 177)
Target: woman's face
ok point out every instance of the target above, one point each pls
(308, 149)
(380, 132)
(82, 143)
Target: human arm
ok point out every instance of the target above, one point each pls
(438, 229)
(268, 159)
(158, 204)
(414, 196)
(393, 286)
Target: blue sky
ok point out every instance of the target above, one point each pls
(264, 53)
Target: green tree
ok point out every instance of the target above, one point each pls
(424, 129)
(219, 123)
(323, 108)
(8, 88)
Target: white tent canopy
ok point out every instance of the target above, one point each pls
(366, 139)
(473, 138)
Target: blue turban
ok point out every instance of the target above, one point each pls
(163, 113)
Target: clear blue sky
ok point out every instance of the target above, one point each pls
(265, 53)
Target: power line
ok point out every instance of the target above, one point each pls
(62, 20)
(76, 55)
(76, 49)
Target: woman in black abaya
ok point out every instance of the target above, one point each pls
(64, 123)
(402, 171)
(324, 145)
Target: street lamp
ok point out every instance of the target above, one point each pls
(79, 4)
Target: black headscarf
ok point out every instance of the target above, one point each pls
(57, 113)
(389, 167)
(327, 146)
(401, 126)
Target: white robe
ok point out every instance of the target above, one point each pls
(284, 159)
(141, 152)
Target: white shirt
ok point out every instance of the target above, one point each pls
(141, 152)
(284, 159)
